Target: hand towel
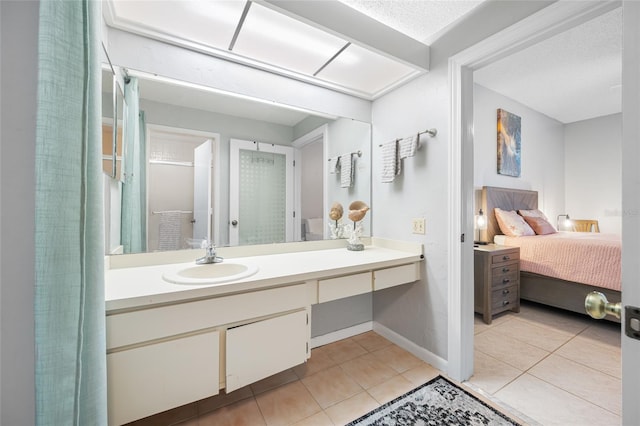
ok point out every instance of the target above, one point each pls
(170, 230)
(334, 165)
(390, 161)
(408, 146)
(347, 170)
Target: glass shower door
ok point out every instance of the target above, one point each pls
(261, 193)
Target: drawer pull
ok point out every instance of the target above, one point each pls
(506, 281)
(505, 270)
(505, 291)
(505, 257)
(505, 302)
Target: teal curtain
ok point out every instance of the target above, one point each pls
(71, 384)
(134, 194)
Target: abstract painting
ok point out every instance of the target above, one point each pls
(508, 144)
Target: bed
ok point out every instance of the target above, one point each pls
(536, 284)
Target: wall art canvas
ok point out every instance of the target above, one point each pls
(509, 159)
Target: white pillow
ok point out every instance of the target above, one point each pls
(512, 224)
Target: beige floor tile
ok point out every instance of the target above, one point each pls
(169, 417)
(552, 406)
(368, 371)
(596, 387)
(391, 389)
(319, 361)
(507, 349)
(242, 413)
(491, 374)
(397, 358)
(605, 333)
(287, 404)
(556, 319)
(604, 358)
(344, 350)
(274, 381)
(191, 422)
(421, 374)
(352, 408)
(331, 386)
(371, 341)
(213, 403)
(319, 419)
(542, 337)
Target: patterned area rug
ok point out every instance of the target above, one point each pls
(438, 402)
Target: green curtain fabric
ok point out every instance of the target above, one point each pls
(71, 384)
(134, 196)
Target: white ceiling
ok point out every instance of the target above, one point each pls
(573, 76)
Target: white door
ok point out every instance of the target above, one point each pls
(202, 191)
(260, 193)
(630, 206)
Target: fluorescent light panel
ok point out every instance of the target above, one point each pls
(277, 39)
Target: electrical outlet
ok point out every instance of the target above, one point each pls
(418, 225)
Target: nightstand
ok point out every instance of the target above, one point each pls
(496, 280)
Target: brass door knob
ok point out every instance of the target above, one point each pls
(597, 305)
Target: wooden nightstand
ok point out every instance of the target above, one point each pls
(496, 280)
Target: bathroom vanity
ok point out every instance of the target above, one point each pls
(169, 344)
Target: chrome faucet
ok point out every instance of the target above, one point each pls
(210, 256)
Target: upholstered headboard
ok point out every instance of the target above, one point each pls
(506, 199)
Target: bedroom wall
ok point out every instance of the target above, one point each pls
(593, 181)
(543, 153)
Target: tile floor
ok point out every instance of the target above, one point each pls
(552, 366)
(543, 365)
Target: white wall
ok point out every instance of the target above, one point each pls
(18, 85)
(593, 180)
(542, 149)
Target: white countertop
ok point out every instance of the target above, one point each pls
(143, 286)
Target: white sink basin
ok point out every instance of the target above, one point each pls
(212, 273)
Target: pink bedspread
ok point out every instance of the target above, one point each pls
(583, 257)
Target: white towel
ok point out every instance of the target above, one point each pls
(334, 165)
(347, 170)
(170, 231)
(408, 146)
(390, 161)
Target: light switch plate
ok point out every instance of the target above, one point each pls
(418, 225)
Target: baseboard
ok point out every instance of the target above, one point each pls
(345, 333)
(406, 344)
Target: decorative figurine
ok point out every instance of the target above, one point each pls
(335, 214)
(357, 211)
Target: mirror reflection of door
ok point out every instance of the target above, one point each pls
(202, 180)
(260, 193)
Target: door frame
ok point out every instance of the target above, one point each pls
(552, 20)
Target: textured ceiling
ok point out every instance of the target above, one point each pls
(573, 76)
(419, 19)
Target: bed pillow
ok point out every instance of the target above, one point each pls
(512, 224)
(547, 228)
(539, 225)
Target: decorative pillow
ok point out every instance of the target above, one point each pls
(539, 225)
(533, 213)
(512, 224)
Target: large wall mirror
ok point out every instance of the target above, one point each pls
(240, 170)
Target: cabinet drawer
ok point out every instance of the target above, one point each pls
(397, 275)
(155, 378)
(505, 269)
(500, 280)
(504, 298)
(505, 256)
(156, 323)
(347, 286)
(263, 348)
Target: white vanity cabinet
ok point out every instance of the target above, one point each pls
(164, 357)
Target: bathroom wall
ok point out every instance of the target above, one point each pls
(418, 312)
(18, 86)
